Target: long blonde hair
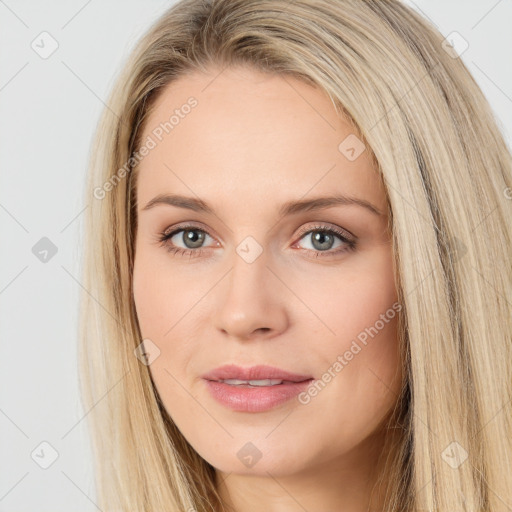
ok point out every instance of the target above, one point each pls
(447, 172)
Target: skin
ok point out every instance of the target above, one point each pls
(253, 142)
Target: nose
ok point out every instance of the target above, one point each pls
(250, 301)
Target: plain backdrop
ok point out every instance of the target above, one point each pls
(49, 109)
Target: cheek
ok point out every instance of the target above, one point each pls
(160, 295)
(166, 303)
(349, 301)
(162, 302)
(357, 344)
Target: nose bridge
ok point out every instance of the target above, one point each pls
(249, 269)
(248, 302)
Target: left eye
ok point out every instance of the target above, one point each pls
(322, 239)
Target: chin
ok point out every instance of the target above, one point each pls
(258, 457)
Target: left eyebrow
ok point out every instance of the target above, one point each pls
(319, 203)
(289, 208)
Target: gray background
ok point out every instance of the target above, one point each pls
(49, 109)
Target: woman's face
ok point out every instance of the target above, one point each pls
(259, 270)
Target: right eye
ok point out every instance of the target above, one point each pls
(191, 234)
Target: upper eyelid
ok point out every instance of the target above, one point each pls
(327, 226)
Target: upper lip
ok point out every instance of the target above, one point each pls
(259, 372)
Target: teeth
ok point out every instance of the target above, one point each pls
(263, 382)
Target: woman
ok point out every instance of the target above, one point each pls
(298, 286)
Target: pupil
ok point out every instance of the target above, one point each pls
(321, 238)
(195, 237)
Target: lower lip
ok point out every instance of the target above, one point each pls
(254, 399)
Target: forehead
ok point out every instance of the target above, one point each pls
(238, 134)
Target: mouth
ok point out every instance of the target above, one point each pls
(257, 383)
(254, 389)
(254, 374)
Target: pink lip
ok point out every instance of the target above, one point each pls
(231, 371)
(251, 399)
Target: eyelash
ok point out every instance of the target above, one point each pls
(164, 238)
